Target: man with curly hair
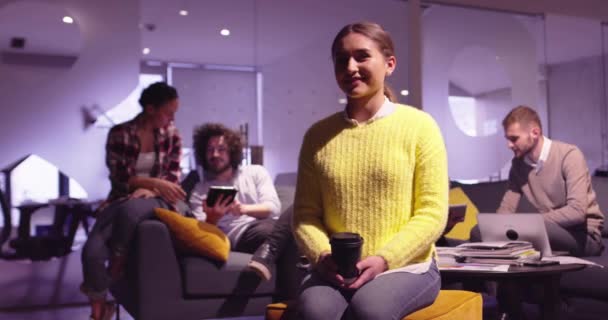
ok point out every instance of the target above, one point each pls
(250, 217)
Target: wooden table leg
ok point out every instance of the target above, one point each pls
(550, 306)
(509, 297)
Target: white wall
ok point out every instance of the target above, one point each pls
(575, 86)
(299, 85)
(575, 96)
(227, 97)
(45, 119)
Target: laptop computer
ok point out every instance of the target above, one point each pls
(515, 226)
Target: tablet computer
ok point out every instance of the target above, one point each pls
(456, 213)
(215, 192)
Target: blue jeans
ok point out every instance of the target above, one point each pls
(390, 296)
(112, 232)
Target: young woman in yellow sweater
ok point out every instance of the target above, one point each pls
(378, 169)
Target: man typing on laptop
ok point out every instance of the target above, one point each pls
(554, 177)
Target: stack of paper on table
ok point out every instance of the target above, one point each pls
(503, 252)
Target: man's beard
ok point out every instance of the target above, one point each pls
(218, 169)
(531, 146)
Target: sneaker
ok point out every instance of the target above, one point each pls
(262, 260)
(303, 263)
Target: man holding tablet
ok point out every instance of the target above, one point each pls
(247, 217)
(554, 177)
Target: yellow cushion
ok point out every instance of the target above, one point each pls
(462, 230)
(279, 311)
(449, 305)
(194, 236)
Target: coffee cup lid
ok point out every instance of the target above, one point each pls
(346, 237)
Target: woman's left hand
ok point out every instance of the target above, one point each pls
(369, 268)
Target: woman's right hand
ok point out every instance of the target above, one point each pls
(327, 269)
(171, 192)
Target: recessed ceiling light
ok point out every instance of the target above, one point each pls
(342, 101)
(68, 20)
(225, 32)
(405, 92)
(146, 51)
(183, 12)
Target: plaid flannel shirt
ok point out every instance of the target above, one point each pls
(122, 150)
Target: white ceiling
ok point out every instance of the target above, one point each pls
(40, 24)
(196, 37)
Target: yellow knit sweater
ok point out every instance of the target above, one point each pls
(386, 180)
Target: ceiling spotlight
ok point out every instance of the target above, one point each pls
(225, 32)
(183, 12)
(68, 20)
(146, 51)
(405, 92)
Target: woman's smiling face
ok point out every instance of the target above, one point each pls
(360, 67)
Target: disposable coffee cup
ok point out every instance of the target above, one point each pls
(346, 252)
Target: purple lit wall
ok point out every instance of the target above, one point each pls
(46, 119)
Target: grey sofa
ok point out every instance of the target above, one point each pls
(160, 283)
(585, 292)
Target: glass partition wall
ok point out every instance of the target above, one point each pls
(477, 65)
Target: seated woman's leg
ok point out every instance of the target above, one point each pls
(129, 214)
(395, 295)
(319, 300)
(95, 253)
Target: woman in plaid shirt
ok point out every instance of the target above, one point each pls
(143, 157)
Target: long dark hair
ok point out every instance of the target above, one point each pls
(374, 32)
(201, 137)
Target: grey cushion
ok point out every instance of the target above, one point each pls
(204, 277)
(286, 195)
(589, 282)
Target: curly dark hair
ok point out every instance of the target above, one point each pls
(157, 95)
(201, 137)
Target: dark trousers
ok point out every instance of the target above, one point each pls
(253, 237)
(278, 235)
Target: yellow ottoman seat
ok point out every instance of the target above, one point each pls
(450, 304)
